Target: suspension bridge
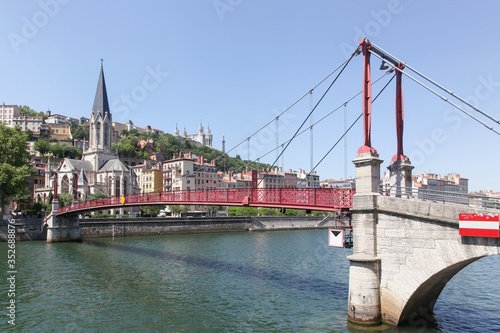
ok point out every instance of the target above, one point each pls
(405, 248)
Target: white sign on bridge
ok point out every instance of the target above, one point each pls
(479, 225)
(336, 237)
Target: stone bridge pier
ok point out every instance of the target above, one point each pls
(405, 250)
(63, 228)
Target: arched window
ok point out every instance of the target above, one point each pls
(98, 134)
(106, 134)
(65, 184)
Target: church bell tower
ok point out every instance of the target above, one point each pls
(100, 127)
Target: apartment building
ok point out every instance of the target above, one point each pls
(8, 113)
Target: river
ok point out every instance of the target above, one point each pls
(274, 281)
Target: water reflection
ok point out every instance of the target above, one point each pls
(337, 290)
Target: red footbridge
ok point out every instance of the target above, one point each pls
(324, 199)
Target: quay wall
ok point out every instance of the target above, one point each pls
(25, 229)
(157, 226)
(31, 229)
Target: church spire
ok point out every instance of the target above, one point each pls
(100, 122)
(101, 105)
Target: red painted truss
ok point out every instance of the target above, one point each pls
(329, 199)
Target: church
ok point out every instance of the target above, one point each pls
(99, 171)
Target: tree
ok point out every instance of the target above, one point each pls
(126, 149)
(97, 195)
(65, 199)
(27, 111)
(150, 210)
(42, 146)
(57, 150)
(178, 210)
(242, 211)
(143, 154)
(213, 210)
(72, 152)
(81, 132)
(15, 166)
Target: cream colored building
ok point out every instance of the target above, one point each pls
(8, 113)
(60, 131)
(151, 180)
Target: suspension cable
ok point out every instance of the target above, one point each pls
(319, 101)
(342, 66)
(439, 86)
(291, 106)
(450, 102)
(345, 133)
(444, 98)
(327, 115)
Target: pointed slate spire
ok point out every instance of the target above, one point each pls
(101, 105)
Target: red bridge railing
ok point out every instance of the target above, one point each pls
(328, 199)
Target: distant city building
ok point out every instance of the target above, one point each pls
(226, 180)
(450, 188)
(186, 171)
(272, 179)
(60, 131)
(347, 183)
(241, 180)
(61, 119)
(29, 123)
(206, 176)
(119, 128)
(290, 179)
(37, 180)
(152, 180)
(8, 113)
(307, 180)
(201, 138)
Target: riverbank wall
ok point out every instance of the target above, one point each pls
(32, 229)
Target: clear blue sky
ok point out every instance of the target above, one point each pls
(235, 64)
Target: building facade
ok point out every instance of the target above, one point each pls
(99, 171)
(8, 113)
(201, 138)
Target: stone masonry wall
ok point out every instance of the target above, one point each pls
(420, 249)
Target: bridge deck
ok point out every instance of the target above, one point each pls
(327, 199)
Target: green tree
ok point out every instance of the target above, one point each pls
(80, 132)
(143, 154)
(97, 195)
(152, 210)
(133, 132)
(126, 149)
(65, 199)
(57, 150)
(15, 166)
(71, 152)
(242, 211)
(42, 146)
(30, 134)
(27, 111)
(213, 209)
(176, 210)
(268, 212)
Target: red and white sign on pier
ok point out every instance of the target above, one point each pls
(479, 225)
